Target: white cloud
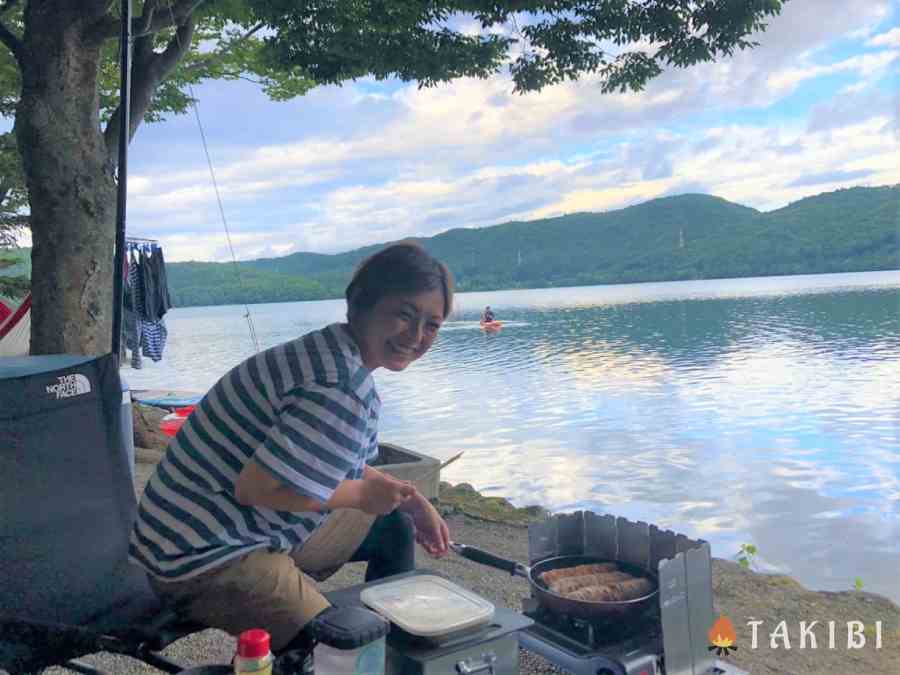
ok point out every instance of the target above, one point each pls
(866, 65)
(471, 153)
(888, 39)
(743, 163)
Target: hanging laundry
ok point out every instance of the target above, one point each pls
(163, 302)
(146, 302)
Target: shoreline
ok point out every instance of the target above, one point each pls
(743, 595)
(766, 609)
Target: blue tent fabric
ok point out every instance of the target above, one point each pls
(67, 499)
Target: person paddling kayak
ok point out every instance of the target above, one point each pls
(489, 321)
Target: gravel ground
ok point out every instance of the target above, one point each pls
(213, 646)
(740, 594)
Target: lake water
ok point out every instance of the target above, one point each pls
(763, 410)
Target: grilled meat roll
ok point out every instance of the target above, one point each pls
(617, 592)
(569, 584)
(577, 570)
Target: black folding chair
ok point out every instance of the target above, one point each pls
(67, 504)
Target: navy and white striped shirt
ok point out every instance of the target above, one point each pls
(306, 410)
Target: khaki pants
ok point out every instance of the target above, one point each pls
(270, 590)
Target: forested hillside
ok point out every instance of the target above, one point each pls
(689, 236)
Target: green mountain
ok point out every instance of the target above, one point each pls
(691, 236)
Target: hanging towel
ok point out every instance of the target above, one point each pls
(134, 301)
(153, 338)
(162, 301)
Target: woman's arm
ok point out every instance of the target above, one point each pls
(431, 529)
(257, 487)
(376, 493)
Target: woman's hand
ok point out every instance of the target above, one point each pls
(431, 529)
(380, 494)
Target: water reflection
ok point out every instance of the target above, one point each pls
(763, 411)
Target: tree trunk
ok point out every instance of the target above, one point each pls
(71, 186)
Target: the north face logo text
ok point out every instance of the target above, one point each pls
(70, 385)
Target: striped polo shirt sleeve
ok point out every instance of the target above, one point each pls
(319, 438)
(372, 451)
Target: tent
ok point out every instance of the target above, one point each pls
(15, 328)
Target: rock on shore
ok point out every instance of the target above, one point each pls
(740, 594)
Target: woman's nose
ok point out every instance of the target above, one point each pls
(415, 331)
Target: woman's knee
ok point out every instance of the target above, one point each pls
(402, 526)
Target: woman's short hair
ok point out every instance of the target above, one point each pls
(404, 267)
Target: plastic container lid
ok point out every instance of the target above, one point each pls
(427, 605)
(348, 627)
(253, 644)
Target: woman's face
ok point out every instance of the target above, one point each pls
(398, 329)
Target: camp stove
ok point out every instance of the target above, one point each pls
(490, 649)
(669, 638)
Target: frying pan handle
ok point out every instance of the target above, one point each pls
(485, 558)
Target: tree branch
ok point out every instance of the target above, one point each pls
(12, 42)
(146, 19)
(201, 60)
(8, 5)
(152, 20)
(15, 220)
(250, 33)
(178, 46)
(148, 70)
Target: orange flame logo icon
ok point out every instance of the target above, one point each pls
(722, 636)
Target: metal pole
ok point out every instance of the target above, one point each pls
(122, 188)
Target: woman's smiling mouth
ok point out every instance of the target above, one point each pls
(403, 351)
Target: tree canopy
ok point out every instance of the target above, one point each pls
(59, 77)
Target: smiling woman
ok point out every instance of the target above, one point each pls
(269, 479)
(396, 302)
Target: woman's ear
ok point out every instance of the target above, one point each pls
(352, 298)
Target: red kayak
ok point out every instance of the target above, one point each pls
(171, 423)
(491, 326)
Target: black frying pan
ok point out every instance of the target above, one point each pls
(560, 604)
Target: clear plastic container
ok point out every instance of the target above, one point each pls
(351, 641)
(428, 606)
(366, 660)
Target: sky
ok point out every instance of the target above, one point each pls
(814, 108)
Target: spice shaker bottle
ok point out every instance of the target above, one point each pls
(254, 655)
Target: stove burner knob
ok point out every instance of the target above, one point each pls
(486, 666)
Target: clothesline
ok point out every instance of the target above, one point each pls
(141, 244)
